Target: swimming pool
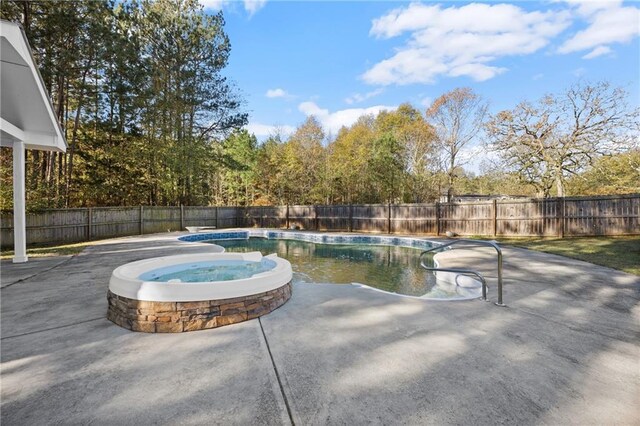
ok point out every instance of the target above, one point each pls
(390, 268)
(384, 263)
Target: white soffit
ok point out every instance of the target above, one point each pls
(26, 113)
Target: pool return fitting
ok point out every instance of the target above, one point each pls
(467, 272)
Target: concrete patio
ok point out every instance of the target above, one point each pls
(566, 350)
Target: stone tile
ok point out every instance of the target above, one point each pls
(143, 326)
(180, 306)
(168, 327)
(143, 305)
(232, 308)
(200, 324)
(230, 319)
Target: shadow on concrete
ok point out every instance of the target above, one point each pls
(565, 351)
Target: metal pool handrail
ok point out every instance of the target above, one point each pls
(470, 271)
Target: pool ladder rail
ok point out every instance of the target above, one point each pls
(462, 271)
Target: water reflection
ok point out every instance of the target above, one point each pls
(389, 268)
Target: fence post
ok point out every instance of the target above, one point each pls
(495, 217)
(261, 217)
(561, 213)
(215, 212)
(437, 218)
(89, 223)
(181, 217)
(141, 220)
(315, 217)
(350, 217)
(287, 218)
(389, 218)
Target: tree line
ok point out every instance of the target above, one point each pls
(583, 141)
(139, 90)
(150, 118)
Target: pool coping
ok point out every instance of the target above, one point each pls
(309, 236)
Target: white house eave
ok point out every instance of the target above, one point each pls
(27, 120)
(51, 140)
(11, 130)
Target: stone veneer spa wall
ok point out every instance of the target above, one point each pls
(188, 292)
(176, 317)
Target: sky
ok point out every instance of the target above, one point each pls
(338, 60)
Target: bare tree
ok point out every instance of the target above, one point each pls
(457, 117)
(561, 134)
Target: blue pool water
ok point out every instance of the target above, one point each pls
(214, 270)
(390, 268)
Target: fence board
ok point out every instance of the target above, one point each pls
(253, 217)
(602, 216)
(230, 217)
(530, 218)
(370, 218)
(302, 217)
(161, 219)
(571, 216)
(200, 216)
(333, 218)
(274, 217)
(110, 222)
(413, 218)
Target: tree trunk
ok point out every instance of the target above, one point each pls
(559, 184)
(35, 170)
(451, 177)
(74, 135)
(26, 17)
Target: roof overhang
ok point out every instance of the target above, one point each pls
(26, 112)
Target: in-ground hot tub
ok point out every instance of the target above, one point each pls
(197, 291)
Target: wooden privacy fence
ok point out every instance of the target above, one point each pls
(83, 224)
(575, 216)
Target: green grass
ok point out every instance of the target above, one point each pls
(621, 253)
(63, 250)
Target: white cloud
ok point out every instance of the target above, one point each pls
(276, 93)
(589, 7)
(459, 41)
(358, 97)
(250, 6)
(537, 76)
(213, 4)
(598, 51)
(579, 72)
(478, 72)
(333, 121)
(426, 101)
(263, 131)
(609, 22)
